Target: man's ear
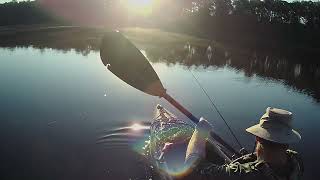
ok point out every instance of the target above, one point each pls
(259, 148)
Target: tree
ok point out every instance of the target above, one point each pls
(222, 7)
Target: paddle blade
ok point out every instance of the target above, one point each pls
(125, 61)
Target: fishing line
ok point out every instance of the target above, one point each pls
(214, 107)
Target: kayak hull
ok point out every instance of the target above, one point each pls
(169, 138)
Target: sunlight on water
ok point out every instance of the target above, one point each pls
(138, 127)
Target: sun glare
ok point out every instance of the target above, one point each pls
(141, 7)
(138, 127)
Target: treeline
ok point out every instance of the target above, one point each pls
(253, 23)
(271, 25)
(305, 13)
(24, 13)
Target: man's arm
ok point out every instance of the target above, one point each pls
(202, 169)
(196, 146)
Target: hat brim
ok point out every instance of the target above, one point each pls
(275, 134)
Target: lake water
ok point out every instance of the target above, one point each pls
(55, 104)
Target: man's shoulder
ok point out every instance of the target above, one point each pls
(296, 159)
(248, 158)
(242, 168)
(247, 164)
(293, 154)
(296, 162)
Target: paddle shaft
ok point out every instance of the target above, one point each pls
(196, 120)
(181, 108)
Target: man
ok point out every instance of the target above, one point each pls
(272, 159)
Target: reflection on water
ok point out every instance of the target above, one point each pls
(299, 73)
(57, 101)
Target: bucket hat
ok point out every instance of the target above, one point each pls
(276, 126)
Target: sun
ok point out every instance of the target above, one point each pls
(141, 7)
(140, 3)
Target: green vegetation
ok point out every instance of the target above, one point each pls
(25, 13)
(271, 25)
(80, 37)
(159, 37)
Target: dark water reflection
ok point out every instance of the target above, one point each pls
(298, 71)
(57, 100)
(302, 75)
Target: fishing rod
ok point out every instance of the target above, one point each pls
(125, 61)
(214, 107)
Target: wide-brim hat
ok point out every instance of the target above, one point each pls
(275, 126)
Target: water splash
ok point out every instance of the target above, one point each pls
(132, 136)
(167, 130)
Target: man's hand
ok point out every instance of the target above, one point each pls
(204, 128)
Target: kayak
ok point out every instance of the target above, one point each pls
(169, 136)
(168, 141)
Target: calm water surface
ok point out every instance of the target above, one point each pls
(54, 105)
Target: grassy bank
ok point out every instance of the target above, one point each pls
(85, 38)
(152, 37)
(159, 37)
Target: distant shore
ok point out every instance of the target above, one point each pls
(141, 36)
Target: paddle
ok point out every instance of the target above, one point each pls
(125, 61)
